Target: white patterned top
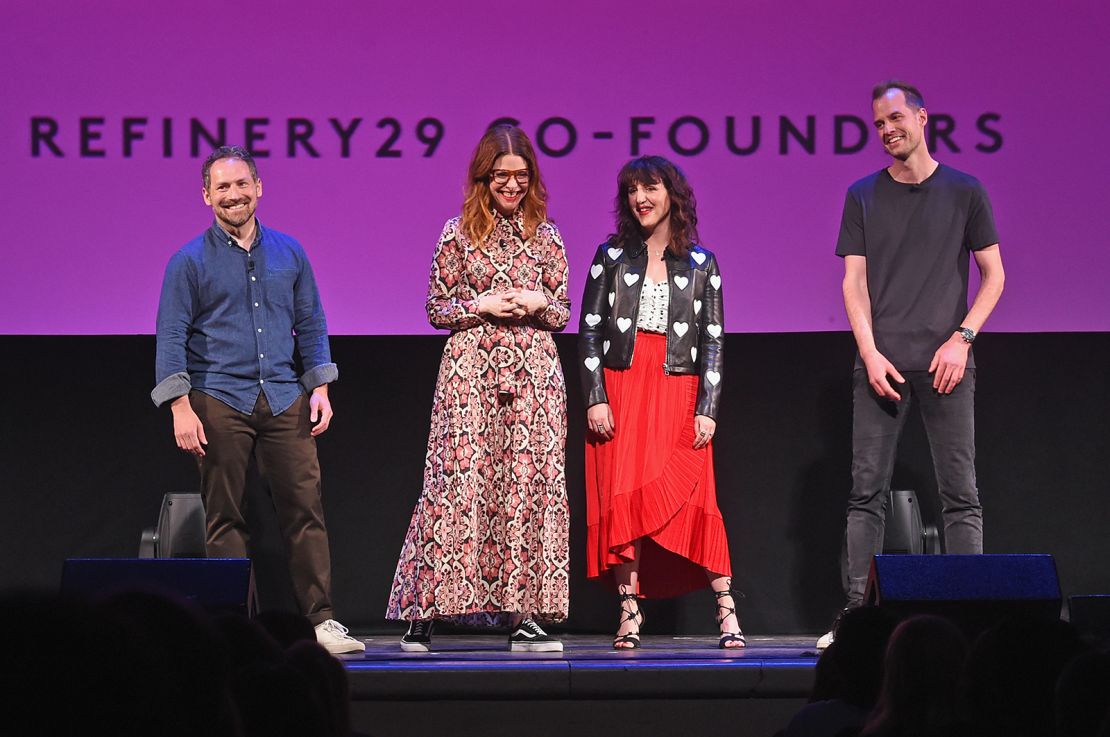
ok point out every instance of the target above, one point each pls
(654, 299)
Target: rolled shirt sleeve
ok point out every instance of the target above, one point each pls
(176, 311)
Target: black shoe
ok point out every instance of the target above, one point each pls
(631, 640)
(419, 637)
(529, 637)
(729, 640)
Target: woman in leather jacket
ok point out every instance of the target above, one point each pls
(650, 360)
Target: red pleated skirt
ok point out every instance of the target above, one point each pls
(649, 484)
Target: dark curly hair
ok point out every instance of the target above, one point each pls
(683, 217)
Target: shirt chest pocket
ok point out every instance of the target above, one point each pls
(278, 286)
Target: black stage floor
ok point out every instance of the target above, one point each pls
(472, 684)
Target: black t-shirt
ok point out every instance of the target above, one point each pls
(917, 239)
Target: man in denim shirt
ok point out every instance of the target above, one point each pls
(235, 303)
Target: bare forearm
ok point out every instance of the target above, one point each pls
(990, 290)
(992, 280)
(857, 305)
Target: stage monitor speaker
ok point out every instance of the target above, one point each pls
(180, 532)
(1090, 614)
(904, 531)
(974, 591)
(181, 528)
(217, 584)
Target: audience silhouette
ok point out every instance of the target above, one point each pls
(147, 662)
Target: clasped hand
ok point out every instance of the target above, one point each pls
(512, 303)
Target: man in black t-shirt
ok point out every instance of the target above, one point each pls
(906, 236)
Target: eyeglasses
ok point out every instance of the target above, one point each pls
(501, 176)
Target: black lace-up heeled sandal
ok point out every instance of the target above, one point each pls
(723, 613)
(632, 614)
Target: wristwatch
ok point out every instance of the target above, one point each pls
(966, 333)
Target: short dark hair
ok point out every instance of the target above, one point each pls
(913, 95)
(227, 152)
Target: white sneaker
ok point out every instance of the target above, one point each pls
(333, 636)
(825, 640)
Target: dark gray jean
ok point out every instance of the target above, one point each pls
(876, 427)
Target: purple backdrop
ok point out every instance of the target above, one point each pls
(87, 235)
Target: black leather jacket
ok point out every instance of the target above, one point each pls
(695, 316)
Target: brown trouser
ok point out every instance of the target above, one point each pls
(286, 456)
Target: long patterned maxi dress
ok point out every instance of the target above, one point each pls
(489, 535)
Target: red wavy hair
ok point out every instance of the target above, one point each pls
(477, 210)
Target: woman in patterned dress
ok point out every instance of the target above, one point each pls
(651, 362)
(488, 541)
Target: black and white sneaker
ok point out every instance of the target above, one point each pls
(419, 637)
(529, 637)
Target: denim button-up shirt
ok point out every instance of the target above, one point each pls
(229, 319)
